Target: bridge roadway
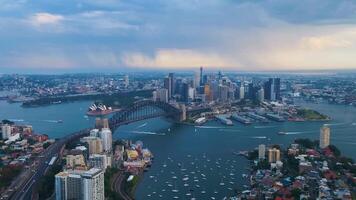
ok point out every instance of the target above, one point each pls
(24, 192)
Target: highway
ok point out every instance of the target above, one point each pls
(117, 185)
(24, 191)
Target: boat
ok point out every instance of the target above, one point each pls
(282, 133)
(275, 117)
(257, 117)
(241, 119)
(200, 121)
(224, 119)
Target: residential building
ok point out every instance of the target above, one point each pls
(324, 139)
(274, 155)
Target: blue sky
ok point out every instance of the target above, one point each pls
(116, 35)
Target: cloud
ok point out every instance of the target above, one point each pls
(177, 58)
(43, 18)
(244, 34)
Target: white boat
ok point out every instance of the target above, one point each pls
(200, 121)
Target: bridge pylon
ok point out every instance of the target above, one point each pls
(101, 123)
(183, 112)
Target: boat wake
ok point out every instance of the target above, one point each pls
(17, 120)
(259, 137)
(147, 133)
(50, 121)
(297, 132)
(229, 130)
(142, 125)
(294, 133)
(264, 126)
(209, 127)
(336, 124)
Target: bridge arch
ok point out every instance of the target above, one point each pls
(145, 109)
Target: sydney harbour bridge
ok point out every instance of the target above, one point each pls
(147, 109)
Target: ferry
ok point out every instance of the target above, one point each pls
(223, 119)
(240, 119)
(200, 121)
(275, 117)
(257, 117)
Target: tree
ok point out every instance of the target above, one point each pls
(335, 150)
(296, 192)
(6, 121)
(306, 143)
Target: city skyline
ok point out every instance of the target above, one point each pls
(110, 35)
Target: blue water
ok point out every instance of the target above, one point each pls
(204, 153)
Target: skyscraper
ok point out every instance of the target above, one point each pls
(261, 151)
(324, 140)
(168, 86)
(197, 79)
(261, 95)
(242, 92)
(80, 185)
(273, 89)
(172, 80)
(126, 80)
(185, 92)
(201, 76)
(274, 155)
(93, 184)
(223, 92)
(162, 95)
(106, 137)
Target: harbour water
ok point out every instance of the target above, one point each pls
(193, 160)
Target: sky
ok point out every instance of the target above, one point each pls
(119, 35)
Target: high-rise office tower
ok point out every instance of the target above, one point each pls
(277, 89)
(274, 155)
(223, 92)
(273, 89)
(162, 95)
(196, 79)
(185, 92)
(80, 185)
(154, 96)
(242, 92)
(172, 80)
(261, 151)
(106, 137)
(208, 93)
(201, 76)
(126, 80)
(168, 86)
(324, 140)
(261, 95)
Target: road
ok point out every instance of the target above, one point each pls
(117, 187)
(24, 191)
